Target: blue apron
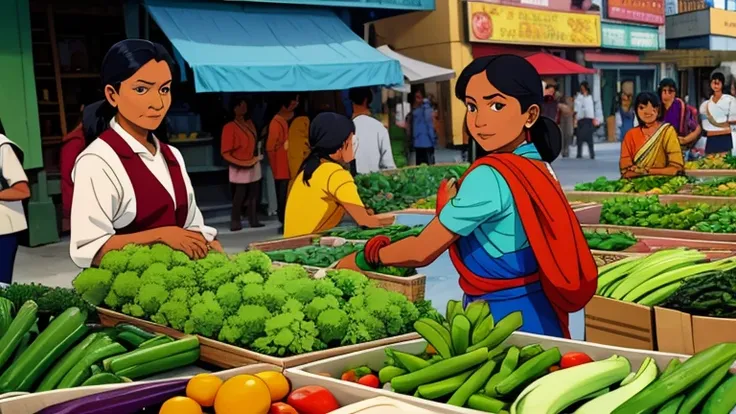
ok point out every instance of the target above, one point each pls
(537, 312)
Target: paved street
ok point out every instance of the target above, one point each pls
(51, 265)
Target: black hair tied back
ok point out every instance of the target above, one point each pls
(328, 133)
(514, 76)
(121, 62)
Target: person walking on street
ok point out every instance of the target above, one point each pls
(421, 122)
(239, 149)
(567, 113)
(277, 146)
(720, 113)
(298, 140)
(372, 143)
(550, 106)
(13, 190)
(585, 120)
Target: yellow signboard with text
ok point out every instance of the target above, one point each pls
(722, 23)
(490, 23)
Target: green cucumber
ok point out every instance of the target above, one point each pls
(503, 329)
(6, 315)
(164, 364)
(473, 384)
(439, 389)
(22, 346)
(723, 398)
(387, 373)
(509, 364)
(152, 354)
(21, 324)
(529, 370)
(409, 362)
(132, 339)
(158, 340)
(135, 330)
(671, 406)
(437, 371)
(65, 364)
(102, 378)
(103, 348)
(485, 403)
(671, 367)
(95, 369)
(530, 351)
(704, 387)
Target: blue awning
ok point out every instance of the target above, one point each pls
(236, 47)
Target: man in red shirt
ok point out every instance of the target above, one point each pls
(276, 146)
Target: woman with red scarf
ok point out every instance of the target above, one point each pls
(511, 233)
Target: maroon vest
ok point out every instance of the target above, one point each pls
(154, 206)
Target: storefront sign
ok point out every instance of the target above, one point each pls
(722, 23)
(491, 23)
(694, 24)
(586, 6)
(640, 11)
(619, 36)
(377, 4)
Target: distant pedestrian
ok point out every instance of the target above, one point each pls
(277, 146)
(625, 116)
(720, 113)
(550, 105)
(567, 115)
(585, 120)
(421, 123)
(372, 143)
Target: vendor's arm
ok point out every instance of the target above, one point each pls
(341, 185)
(13, 173)
(675, 162)
(483, 194)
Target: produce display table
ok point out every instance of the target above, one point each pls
(588, 198)
(711, 173)
(229, 356)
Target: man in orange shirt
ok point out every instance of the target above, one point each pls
(277, 145)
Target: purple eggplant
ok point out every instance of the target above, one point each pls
(128, 400)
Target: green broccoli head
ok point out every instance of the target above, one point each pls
(363, 327)
(325, 287)
(179, 295)
(129, 249)
(133, 310)
(172, 313)
(292, 306)
(301, 290)
(151, 296)
(274, 298)
(229, 297)
(332, 325)
(179, 258)
(113, 301)
(156, 273)
(319, 305)
(213, 260)
(350, 282)
(288, 334)
(140, 260)
(253, 295)
(181, 277)
(283, 276)
(246, 325)
(253, 261)
(126, 286)
(162, 254)
(426, 310)
(93, 284)
(206, 318)
(249, 278)
(116, 261)
(218, 276)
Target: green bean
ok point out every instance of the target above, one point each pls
(507, 367)
(485, 403)
(441, 388)
(442, 369)
(528, 370)
(473, 384)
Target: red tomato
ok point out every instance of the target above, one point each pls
(370, 380)
(281, 408)
(573, 359)
(349, 376)
(312, 399)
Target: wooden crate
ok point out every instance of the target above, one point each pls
(603, 257)
(711, 173)
(284, 244)
(666, 233)
(413, 287)
(613, 322)
(229, 356)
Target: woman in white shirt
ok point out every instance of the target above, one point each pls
(13, 190)
(719, 113)
(129, 187)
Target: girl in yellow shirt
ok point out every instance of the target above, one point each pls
(324, 190)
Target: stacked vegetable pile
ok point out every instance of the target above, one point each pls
(712, 162)
(649, 212)
(723, 187)
(613, 241)
(66, 354)
(463, 368)
(314, 255)
(261, 393)
(706, 296)
(399, 189)
(649, 184)
(395, 232)
(243, 301)
(651, 280)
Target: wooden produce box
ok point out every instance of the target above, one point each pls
(665, 233)
(687, 334)
(711, 173)
(613, 322)
(230, 356)
(590, 214)
(603, 257)
(33, 403)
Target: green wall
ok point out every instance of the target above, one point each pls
(18, 102)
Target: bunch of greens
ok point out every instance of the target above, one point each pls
(245, 301)
(706, 295)
(653, 184)
(400, 189)
(713, 162)
(649, 212)
(395, 232)
(722, 187)
(314, 255)
(50, 300)
(609, 241)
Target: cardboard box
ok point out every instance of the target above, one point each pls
(617, 323)
(374, 358)
(32, 403)
(687, 334)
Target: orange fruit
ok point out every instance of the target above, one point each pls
(243, 394)
(180, 405)
(202, 388)
(277, 384)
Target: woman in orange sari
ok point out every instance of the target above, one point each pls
(652, 148)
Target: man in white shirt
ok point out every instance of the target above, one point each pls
(373, 144)
(585, 120)
(13, 190)
(719, 115)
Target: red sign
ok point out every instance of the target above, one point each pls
(639, 11)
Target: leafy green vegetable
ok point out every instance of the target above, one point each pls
(655, 184)
(609, 241)
(708, 295)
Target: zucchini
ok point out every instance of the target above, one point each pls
(22, 346)
(70, 359)
(22, 323)
(102, 348)
(131, 339)
(159, 340)
(56, 339)
(102, 378)
(161, 365)
(95, 369)
(152, 354)
(125, 327)
(6, 315)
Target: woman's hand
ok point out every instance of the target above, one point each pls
(192, 243)
(446, 192)
(373, 247)
(216, 246)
